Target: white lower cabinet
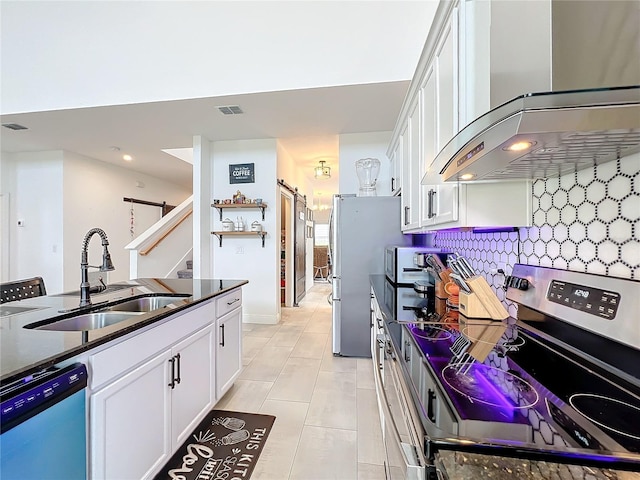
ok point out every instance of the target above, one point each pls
(228, 350)
(193, 396)
(148, 392)
(130, 423)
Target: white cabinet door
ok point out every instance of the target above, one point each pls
(445, 203)
(396, 169)
(447, 84)
(193, 386)
(228, 350)
(415, 163)
(131, 423)
(429, 143)
(405, 196)
(411, 169)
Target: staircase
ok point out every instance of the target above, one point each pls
(162, 250)
(188, 272)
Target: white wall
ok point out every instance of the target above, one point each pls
(244, 257)
(296, 177)
(93, 197)
(202, 196)
(355, 146)
(33, 184)
(60, 196)
(292, 174)
(59, 54)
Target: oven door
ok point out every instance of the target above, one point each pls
(403, 445)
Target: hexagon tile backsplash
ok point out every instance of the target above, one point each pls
(586, 222)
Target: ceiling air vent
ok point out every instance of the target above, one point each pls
(14, 126)
(231, 110)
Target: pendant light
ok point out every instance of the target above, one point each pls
(322, 171)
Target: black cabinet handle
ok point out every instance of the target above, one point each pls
(407, 353)
(222, 339)
(431, 414)
(406, 216)
(393, 184)
(178, 368)
(172, 361)
(233, 301)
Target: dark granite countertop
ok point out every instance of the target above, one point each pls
(24, 350)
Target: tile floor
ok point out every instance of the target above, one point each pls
(327, 424)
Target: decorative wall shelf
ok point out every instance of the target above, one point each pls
(221, 206)
(240, 234)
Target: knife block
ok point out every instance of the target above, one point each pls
(471, 307)
(483, 335)
(481, 302)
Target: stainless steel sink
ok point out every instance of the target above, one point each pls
(88, 321)
(109, 314)
(144, 304)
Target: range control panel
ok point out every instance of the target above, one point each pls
(591, 300)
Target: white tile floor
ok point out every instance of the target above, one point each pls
(327, 424)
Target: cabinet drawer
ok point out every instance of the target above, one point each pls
(227, 302)
(115, 360)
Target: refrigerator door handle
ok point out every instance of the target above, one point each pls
(335, 297)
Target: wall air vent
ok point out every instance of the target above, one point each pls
(231, 110)
(14, 126)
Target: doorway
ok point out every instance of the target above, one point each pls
(300, 248)
(286, 248)
(293, 236)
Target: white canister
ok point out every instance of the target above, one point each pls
(256, 227)
(227, 225)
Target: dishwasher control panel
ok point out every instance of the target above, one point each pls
(31, 394)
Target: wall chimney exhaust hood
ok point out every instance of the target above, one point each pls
(542, 135)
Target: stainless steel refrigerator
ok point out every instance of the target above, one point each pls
(360, 229)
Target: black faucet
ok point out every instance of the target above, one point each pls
(107, 265)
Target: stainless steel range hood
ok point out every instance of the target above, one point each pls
(542, 135)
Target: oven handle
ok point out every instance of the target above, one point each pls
(386, 411)
(431, 414)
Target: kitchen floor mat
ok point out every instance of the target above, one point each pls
(224, 445)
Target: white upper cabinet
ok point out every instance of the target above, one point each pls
(450, 85)
(396, 168)
(446, 63)
(413, 163)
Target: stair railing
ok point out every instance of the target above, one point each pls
(157, 251)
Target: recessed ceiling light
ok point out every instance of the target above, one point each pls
(467, 176)
(127, 157)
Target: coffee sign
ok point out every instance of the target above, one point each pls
(242, 173)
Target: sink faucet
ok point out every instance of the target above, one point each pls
(106, 266)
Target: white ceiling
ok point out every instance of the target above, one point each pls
(306, 122)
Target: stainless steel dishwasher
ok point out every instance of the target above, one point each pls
(42, 425)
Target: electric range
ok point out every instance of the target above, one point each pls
(560, 383)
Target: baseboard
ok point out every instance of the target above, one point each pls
(262, 319)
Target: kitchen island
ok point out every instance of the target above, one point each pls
(26, 350)
(441, 427)
(173, 351)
